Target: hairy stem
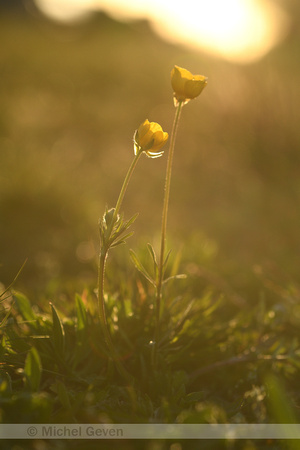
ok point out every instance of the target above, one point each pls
(125, 184)
(164, 230)
(101, 274)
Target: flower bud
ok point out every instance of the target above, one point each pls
(186, 86)
(108, 216)
(150, 138)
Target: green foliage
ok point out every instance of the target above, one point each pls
(214, 359)
(58, 336)
(141, 268)
(32, 370)
(113, 229)
(26, 311)
(202, 341)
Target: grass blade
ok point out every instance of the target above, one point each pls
(58, 332)
(33, 370)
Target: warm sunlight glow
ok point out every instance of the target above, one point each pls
(238, 30)
(64, 10)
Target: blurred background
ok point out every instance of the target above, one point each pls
(77, 79)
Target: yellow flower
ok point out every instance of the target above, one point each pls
(186, 86)
(150, 138)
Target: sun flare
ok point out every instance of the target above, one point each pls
(238, 30)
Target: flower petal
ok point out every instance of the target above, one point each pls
(185, 85)
(149, 137)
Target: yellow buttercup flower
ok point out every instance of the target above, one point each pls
(150, 138)
(186, 86)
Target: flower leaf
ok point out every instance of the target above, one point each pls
(152, 253)
(122, 240)
(180, 276)
(140, 267)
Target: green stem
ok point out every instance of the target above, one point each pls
(101, 275)
(125, 184)
(103, 319)
(164, 229)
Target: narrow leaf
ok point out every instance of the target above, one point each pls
(25, 309)
(33, 370)
(130, 221)
(152, 253)
(58, 332)
(123, 227)
(121, 240)
(180, 276)
(140, 267)
(115, 244)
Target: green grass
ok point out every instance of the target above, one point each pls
(215, 359)
(71, 99)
